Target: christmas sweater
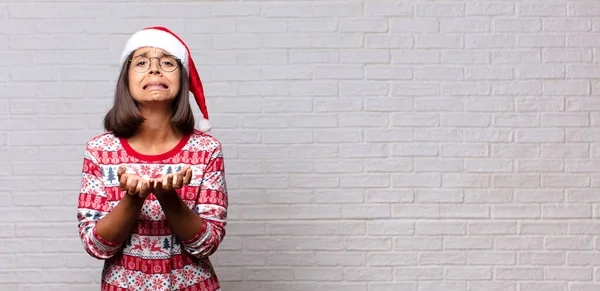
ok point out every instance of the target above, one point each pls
(153, 257)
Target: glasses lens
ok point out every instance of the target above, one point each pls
(168, 63)
(140, 64)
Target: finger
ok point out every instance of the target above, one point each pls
(142, 186)
(123, 181)
(176, 180)
(149, 188)
(132, 184)
(144, 189)
(122, 170)
(184, 169)
(188, 177)
(169, 183)
(164, 180)
(138, 187)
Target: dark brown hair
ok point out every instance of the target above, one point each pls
(124, 118)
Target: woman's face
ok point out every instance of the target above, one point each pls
(151, 82)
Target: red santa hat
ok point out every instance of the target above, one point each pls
(163, 38)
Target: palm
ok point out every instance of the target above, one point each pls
(172, 182)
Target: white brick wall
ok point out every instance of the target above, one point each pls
(371, 145)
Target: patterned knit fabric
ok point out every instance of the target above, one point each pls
(152, 257)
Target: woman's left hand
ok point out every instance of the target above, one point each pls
(171, 182)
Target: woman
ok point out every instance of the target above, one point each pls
(153, 200)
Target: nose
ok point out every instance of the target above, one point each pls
(154, 66)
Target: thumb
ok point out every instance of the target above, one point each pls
(122, 170)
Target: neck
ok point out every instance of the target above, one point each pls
(157, 126)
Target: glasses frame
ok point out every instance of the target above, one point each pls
(177, 63)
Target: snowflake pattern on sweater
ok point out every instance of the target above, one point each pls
(153, 257)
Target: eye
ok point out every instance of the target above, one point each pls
(141, 63)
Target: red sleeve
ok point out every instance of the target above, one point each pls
(93, 206)
(211, 205)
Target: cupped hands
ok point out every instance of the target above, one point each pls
(139, 187)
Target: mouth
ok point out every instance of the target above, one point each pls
(155, 86)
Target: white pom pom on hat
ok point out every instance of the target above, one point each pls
(163, 38)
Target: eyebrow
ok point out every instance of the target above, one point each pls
(145, 54)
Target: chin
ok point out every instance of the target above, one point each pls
(151, 100)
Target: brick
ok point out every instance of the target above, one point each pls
(368, 274)
(464, 25)
(566, 55)
(385, 259)
(440, 228)
(490, 228)
(373, 244)
(438, 41)
(327, 104)
(583, 9)
(566, 25)
(418, 273)
(569, 273)
(542, 10)
(539, 196)
(436, 135)
(339, 72)
(437, 10)
(342, 40)
(387, 9)
(369, 180)
(363, 25)
(550, 258)
(338, 135)
(445, 258)
(490, 9)
(581, 40)
(487, 196)
(567, 211)
(415, 56)
(366, 211)
(316, 25)
(517, 211)
(325, 258)
(492, 286)
(569, 243)
(519, 273)
(337, 166)
(408, 25)
(467, 243)
(502, 25)
(547, 228)
(519, 56)
(315, 181)
(488, 104)
(408, 211)
(318, 274)
(377, 196)
(491, 258)
(490, 41)
(468, 273)
(438, 104)
(540, 104)
(278, 197)
(437, 165)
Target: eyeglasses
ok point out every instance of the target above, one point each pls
(166, 63)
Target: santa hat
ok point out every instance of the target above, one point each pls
(163, 38)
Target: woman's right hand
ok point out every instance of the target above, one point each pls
(133, 184)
